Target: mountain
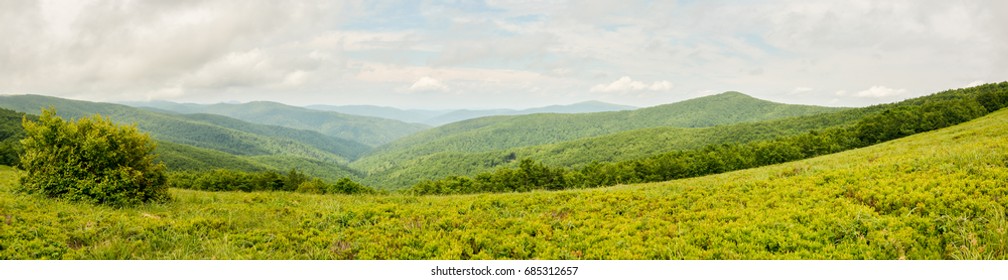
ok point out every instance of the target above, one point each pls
(257, 145)
(934, 195)
(436, 118)
(576, 108)
(410, 116)
(368, 130)
(478, 144)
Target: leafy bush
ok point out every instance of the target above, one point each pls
(91, 160)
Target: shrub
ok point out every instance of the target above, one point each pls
(91, 160)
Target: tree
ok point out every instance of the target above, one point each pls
(91, 160)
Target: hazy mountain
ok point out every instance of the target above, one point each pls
(436, 118)
(410, 116)
(368, 130)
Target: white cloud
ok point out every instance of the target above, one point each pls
(626, 84)
(875, 92)
(880, 92)
(660, 86)
(975, 83)
(428, 84)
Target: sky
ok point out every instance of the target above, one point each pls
(499, 53)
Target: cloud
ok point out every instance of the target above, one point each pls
(877, 92)
(880, 92)
(427, 84)
(625, 84)
(975, 83)
(660, 86)
(536, 52)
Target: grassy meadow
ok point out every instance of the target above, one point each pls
(935, 195)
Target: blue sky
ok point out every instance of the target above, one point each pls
(499, 53)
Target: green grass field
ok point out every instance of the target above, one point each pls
(935, 195)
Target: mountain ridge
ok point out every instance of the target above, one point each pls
(368, 130)
(442, 117)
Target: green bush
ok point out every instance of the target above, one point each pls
(91, 160)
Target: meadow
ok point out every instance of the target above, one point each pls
(935, 195)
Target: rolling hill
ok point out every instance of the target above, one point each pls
(367, 130)
(933, 195)
(481, 144)
(215, 141)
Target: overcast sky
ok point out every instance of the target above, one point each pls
(499, 53)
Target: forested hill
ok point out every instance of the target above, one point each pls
(505, 132)
(498, 132)
(200, 142)
(368, 130)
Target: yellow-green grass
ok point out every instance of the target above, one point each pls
(936, 195)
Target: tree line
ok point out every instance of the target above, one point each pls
(233, 180)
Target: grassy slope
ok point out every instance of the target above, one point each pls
(935, 195)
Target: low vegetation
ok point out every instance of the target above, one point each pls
(919, 179)
(933, 195)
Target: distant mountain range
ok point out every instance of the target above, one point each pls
(204, 141)
(363, 129)
(390, 154)
(437, 118)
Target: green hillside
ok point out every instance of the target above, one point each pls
(575, 139)
(933, 195)
(208, 141)
(368, 130)
(344, 148)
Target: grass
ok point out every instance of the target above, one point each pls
(935, 195)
